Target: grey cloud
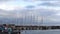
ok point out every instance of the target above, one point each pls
(41, 0)
(4, 0)
(30, 7)
(5, 13)
(42, 12)
(50, 4)
(26, 0)
(47, 0)
(28, 18)
(47, 12)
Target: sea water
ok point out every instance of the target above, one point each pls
(40, 31)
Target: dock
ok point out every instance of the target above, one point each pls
(17, 29)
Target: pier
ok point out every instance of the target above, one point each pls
(36, 28)
(16, 29)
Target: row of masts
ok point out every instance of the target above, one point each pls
(25, 20)
(31, 20)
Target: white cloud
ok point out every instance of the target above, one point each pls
(9, 7)
(16, 9)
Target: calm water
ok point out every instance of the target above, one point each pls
(40, 32)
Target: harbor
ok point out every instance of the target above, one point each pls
(14, 29)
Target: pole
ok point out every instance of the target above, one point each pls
(19, 32)
(42, 20)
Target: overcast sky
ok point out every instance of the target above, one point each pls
(33, 9)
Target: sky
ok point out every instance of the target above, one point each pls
(30, 12)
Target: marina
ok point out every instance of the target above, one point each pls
(17, 29)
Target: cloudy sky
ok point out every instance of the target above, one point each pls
(30, 12)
